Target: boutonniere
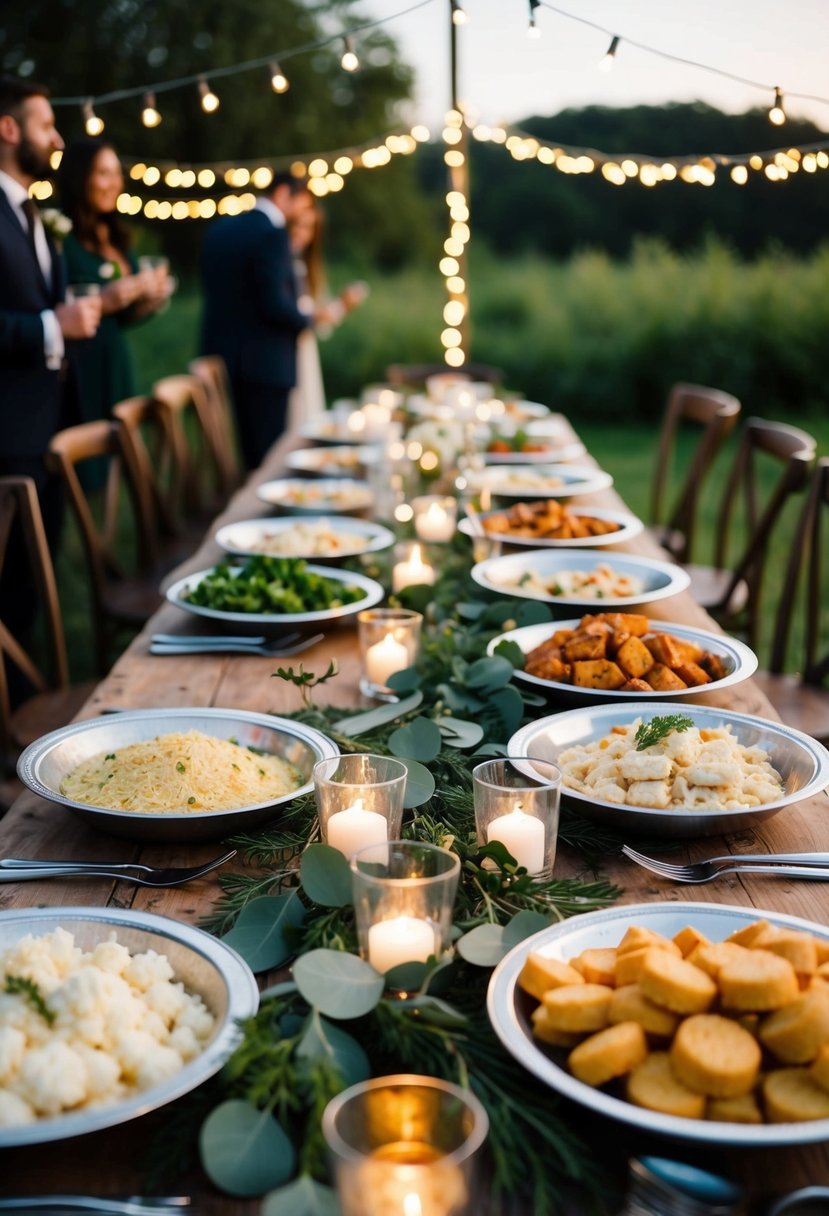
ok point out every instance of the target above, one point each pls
(56, 224)
(109, 270)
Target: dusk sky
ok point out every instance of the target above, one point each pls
(506, 76)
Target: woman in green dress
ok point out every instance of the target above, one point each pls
(97, 251)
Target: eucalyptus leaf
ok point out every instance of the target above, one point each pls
(302, 1197)
(496, 614)
(532, 612)
(419, 739)
(373, 719)
(510, 708)
(420, 784)
(512, 652)
(524, 924)
(404, 681)
(259, 934)
(407, 977)
(491, 749)
(532, 698)
(470, 610)
(484, 945)
(418, 597)
(437, 1012)
(286, 988)
(457, 732)
(459, 700)
(325, 876)
(489, 673)
(458, 666)
(323, 1040)
(243, 1150)
(340, 985)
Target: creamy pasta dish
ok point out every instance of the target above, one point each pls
(313, 539)
(600, 583)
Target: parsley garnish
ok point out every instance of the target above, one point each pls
(180, 767)
(659, 728)
(29, 989)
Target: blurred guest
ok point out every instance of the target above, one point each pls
(305, 233)
(251, 316)
(99, 259)
(36, 398)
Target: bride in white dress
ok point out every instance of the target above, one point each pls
(307, 399)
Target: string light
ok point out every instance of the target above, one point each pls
(777, 114)
(606, 63)
(279, 81)
(459, 16)
(150, 116)
(349, 61)
(532, 29)
(93, 124)
(209, 101)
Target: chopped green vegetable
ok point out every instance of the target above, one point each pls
(191, 801)
(659, 728)
(270, 585)
(28, 988)
(180, 767)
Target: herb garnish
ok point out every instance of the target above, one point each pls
(659, 728)
(180, 767)
(28, 988)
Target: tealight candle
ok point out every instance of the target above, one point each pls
(522, 835)
(356, 828)
(389, 639)
(384, 658)
(435, 517)
(402, 939)
(412, 571)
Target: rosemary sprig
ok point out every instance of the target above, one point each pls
(23, 986)
(652, 732)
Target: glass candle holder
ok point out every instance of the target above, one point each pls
(435, 517)
(359, 800)
(516, 802)
(389, 639)
(410, 567)
(405, 1146)
(404, 893)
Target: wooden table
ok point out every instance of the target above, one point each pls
(110, 1162)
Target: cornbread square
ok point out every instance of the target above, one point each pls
(608, 1054)
(539, 974)
(653, 1085)
(676, 983)
(714, 1056)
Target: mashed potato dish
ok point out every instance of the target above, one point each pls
(180, 772)
(694, 770)
(86, 1029)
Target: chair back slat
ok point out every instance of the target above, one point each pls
(211, 373)
(194, 444)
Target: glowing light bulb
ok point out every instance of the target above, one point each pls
(149, 112)
(92, 123)
(279, 81)
(606, 63)
(459, 16)
(777, 114)
(209, 101)
(349, 61)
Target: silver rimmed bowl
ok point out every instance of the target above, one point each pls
(44, 765)
(203, 963)
(802, 763)
(352, 537)
(627, 526)
(539, 480)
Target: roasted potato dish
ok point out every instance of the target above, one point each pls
(547, 520)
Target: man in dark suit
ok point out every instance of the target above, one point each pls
(34, 326)
(251, 316)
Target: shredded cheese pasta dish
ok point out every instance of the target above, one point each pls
(602, 582)
(692, 770)
(180, 772)
(315, 539)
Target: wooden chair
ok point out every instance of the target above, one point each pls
(414, 375)
(732, 592)
(714, 414)
(802, 700)
(118, 599)
(192, 460)
(211, 373)
(53, 702)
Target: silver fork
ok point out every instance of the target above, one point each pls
(20, 869)
(129, 1205)
(278, 648)
(786, 865)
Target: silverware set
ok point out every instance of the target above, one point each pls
(126, 1205)
(785, 865)
(20, 869)
(275, 648)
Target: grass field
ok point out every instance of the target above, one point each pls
(600, 341)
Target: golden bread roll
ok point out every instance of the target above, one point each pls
(629, 1004)
(744, 1109)
(540, 974)
(639, 938)
(711, 955)
(678, 985)
(687, 939)
(599, 966)
(652, 1084)
(798, 948)
(714, 1056)
(792, 1095)
(608, 1054)
(548, 1034)
(578, 1007)
(796, 1033)
(757, 981)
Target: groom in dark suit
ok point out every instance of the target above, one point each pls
(35, 324)
(251, 316)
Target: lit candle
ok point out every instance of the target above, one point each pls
(403, 939)
(356, 828)
(384, 658)
(522, 835)
(377, 418)
(415, 570)
(435, 523)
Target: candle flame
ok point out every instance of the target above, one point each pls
(412, 1205)
(518, 809)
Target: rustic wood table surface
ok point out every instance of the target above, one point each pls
(110, 1162)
